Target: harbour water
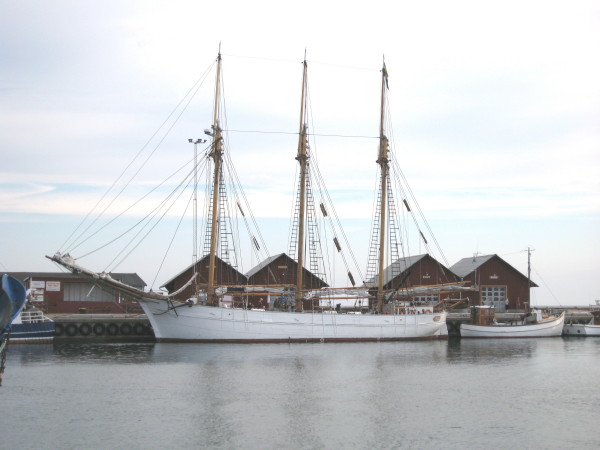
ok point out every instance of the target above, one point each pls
(475, 394)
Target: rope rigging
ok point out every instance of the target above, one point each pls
(233, 202)
(231, 199)
(397, 237)
(191, 93)
(318, 242)
(152, 213)
(181, 187)
(295, 133)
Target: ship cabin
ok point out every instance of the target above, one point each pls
(281, 270)
(415, 272)
(498, 283)
(68, 293)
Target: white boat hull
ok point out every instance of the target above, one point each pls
(546, 328)
(200, 323)
(581, 330)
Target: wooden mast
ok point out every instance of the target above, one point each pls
(383, 162)
(302, 159)
(217, 155)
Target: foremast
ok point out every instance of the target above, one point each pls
(302, 158)
(383, 162)
(216, 154)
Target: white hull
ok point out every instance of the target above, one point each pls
(581, 330)
(200, 323)
(546, 328)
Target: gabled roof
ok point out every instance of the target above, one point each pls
(270, 259)
(468, 265)
(396, 268)
(198, 262)
(263, 264)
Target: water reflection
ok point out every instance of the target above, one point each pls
(30, 354)
(114, 353)
(490, 351)
(468, 394)
(77, 353)
(297, 358)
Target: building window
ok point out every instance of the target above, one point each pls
(492, 295)
(425, 299)
(78, 292)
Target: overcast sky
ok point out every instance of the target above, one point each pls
(495, 111)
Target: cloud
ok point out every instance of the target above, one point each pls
(494, 109)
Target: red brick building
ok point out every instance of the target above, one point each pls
(225, 274)
(496, 281)
(67, 293)
(281, 269)
(413, 271)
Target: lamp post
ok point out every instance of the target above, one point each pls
(195, 205)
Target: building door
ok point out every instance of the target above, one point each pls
(494, 296)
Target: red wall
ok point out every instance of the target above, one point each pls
(54, 303)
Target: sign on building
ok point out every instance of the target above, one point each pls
(53, 286)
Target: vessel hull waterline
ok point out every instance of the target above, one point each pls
(32, 326)
(550, 328)
(201, 323)
(581, 330)
(38, 333)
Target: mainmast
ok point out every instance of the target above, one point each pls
(383, 162)
(217, 155)
(302, 159)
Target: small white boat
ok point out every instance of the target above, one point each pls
(532, 325)
(591, 328)
(577, 329)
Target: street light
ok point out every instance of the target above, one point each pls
(195, 220)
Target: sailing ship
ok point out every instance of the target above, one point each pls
(529, 324)
(222, 312)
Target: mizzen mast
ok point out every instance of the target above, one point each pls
(217, 155)
(383, 162)
(302, 159)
